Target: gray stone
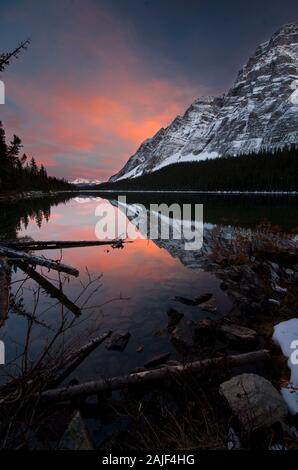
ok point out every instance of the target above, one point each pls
(204, 332)
(118, 341)
(209, 306)
(185, 300)
(203, 298)
(76, 436)
(174, 318)
(182, 336)
(254, 401)
(237, 335)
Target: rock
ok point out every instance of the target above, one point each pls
(233, 440)
(235, 277)
(254, 401)
(203, 298)
(174, 318)
(274, 302)
(274, 266)
(157, 360)
(277, 446)
(279, 289)
(209, 306)
(224, 286)
(182, 336)
(75, 436)
(204, 331)
(289, 272)
(237, 335)
(118, 341)
(185, 301)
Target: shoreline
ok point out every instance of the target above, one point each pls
(13, 197)
(249, 193)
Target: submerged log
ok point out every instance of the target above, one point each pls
(4, 291)
(52, 290)
(32, 245)
(95, 387)
(74, 359)
(37, 260)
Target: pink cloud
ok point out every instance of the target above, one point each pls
(94, 118)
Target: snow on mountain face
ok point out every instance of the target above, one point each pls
(259, 111)
(85, 181)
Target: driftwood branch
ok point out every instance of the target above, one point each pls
(37, 260)
(95, 387)
(54, 245)
(76, 358)
(52, 290)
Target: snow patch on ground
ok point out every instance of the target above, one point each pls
(294, 97)
(286, 336)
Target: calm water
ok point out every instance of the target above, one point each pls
(145, 274)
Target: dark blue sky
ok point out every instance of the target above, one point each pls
(102, 75)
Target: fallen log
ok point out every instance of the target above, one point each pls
(32, 245)
(47, 286)
(95, 387)
(74, 359)
(37, 260)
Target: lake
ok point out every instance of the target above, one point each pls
(136, 285)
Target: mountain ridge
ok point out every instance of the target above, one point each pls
(259, 111)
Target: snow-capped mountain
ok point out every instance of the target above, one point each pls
(259, 111)
(85, 182)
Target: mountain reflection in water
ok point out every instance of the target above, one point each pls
(148, 274)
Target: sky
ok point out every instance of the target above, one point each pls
(101, 76)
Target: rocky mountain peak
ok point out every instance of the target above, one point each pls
(259, 111)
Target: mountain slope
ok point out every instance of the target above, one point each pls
(260, 111)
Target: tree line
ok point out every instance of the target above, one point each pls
(268, 170)
(17, 171)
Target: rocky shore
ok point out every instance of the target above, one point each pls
(13, 197)
(245, 408)
(227, 405)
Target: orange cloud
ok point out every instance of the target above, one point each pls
(92, 117)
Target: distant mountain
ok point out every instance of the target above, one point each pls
(259, 112)
(85, 182)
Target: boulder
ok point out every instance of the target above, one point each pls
(254, 401)
(209, 306)
(237, 335)
(174, 318)
(205, 332)
(118, 340)
(182, 336)
(203, 298)
(185, 301)
(75, 437)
